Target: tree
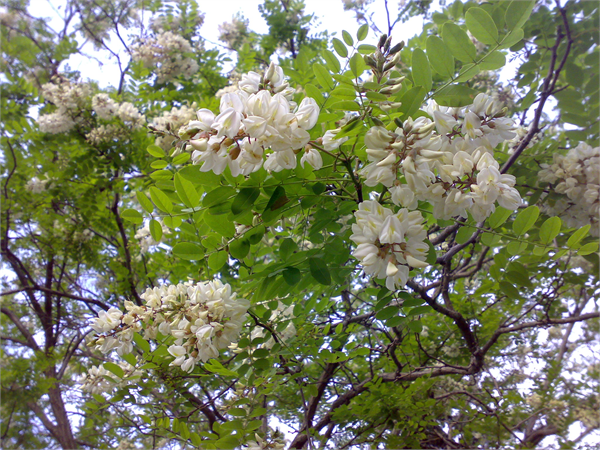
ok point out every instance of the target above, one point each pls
(369, 244)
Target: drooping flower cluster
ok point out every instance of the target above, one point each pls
(259, 115)
(145, 237)
(36, 186)
(166, 56)
(95, 381)
(448, 162)
(388, 243)
(172, 120)
(281, 315)
(203, 318)
(69, 99)
(577, 177)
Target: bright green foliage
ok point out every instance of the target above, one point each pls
(490, 346)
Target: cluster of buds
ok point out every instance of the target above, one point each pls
(385, 58)
(203, 319)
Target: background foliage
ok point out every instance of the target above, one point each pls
(493, 345)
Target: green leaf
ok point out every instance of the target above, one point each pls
(550, 229)
(339, 47)
(416, 326)
(511, 291)
(517, 13)
(255, 235)
(323, 76)
(467, 72)
(525, 220)
(217, 260)
(421, 70)
(221, 224)
(578, 236)
(287, 247)
(440, 57)
(455, 95)
(161, 200)
(458, 42)
(217, 196)
(345, 93)
(493, 61)
(131, 215)
(419, 310)
(347, 38)
(319, 270)
(366, 49)
(145, 202)
(188, 251)
(239, 248)
(156, 230)
(155, 151)
(114, 368)
(314, 92)
(498, 217)
(244, 200)
(519, 278)
(186, 192)
(357, 65)
(481, 25)
(333, 64)
(291, 275)
(512, 38)
(345, 105)
(141, 343)
(362, 32)
(387, 313)
(587, 249)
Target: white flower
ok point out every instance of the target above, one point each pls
(312, 157)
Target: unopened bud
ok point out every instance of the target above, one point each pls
(234, 153)
(281, 88)
(199, 144)
(377, 122)
(396, 48)
(270, 72)
(382, 40)
(188, 133)
(426, 129)
(394, 81)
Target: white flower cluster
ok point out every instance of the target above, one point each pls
(203, 318)
(69, 98)
(107, 109)
(282, 314)
(577, 177)
(145, 237)
(36, 186)
(95, 380)
(172, 120)
(166, 56)
(389, 244)
(256, 117)
(453, 167)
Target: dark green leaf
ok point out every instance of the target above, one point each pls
(291, 275)
(244, 200)
(319, 270)
(239, 248)
(114, 368)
